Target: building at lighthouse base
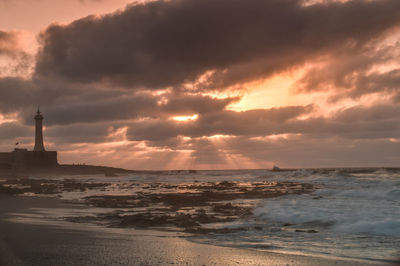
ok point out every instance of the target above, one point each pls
(22, 159)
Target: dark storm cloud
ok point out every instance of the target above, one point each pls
(65, 103)
(129, 107)
(95, 80)
(19, 94)
(167, 43)
(118, 108)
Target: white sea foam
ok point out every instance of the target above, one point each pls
(350, 204)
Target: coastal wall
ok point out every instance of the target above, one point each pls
(6, 160)
(40, 159)
(22, 159)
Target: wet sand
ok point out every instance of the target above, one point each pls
(26, 241)
(187, 207)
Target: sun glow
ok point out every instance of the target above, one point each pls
(276, 91)
(185, 118)
(218, 136)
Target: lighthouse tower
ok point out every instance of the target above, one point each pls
(39, 132)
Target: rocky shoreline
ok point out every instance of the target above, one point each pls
(187, 207)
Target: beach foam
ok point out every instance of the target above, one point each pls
(350, 204)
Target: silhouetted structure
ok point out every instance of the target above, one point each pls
(22, 159)
(39, 146)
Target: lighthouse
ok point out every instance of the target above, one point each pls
(24, 160)
(38, 132)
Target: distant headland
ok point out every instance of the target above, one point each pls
(22, 161)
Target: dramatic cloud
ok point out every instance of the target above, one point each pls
(17, 94)
(167, 43)
(253, 122)
(157, 84)
(355, 72)
(377, 122)
(133, 107)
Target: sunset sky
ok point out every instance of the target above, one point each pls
(203, 84)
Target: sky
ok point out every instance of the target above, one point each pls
(203, 84)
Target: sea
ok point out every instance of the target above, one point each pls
(353, 213)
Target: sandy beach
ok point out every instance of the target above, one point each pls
(26, 238)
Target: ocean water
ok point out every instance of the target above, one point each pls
(353, 213)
